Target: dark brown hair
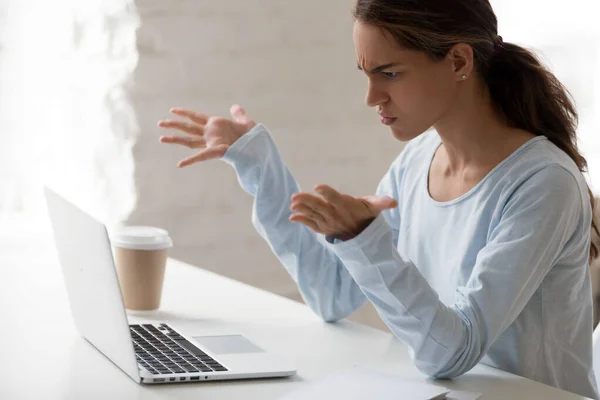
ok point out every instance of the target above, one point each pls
(525, 93)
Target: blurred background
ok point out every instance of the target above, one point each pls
(83, 84)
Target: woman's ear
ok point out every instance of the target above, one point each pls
(461, 60)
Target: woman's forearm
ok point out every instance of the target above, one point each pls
(324, 283)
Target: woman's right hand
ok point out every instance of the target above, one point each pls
(212, 134)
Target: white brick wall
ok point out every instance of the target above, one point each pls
(292, 65)
(82, 84)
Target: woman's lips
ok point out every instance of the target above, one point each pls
(387, 120)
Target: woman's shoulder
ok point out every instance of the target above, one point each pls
(540, 169)
(541, 158)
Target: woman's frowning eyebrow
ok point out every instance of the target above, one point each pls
(379, 68)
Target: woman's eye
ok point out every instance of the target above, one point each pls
(390, 75)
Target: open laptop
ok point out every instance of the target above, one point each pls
(148, 353)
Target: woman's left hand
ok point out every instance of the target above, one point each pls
(338, 215)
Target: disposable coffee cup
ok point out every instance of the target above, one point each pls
(140, 254)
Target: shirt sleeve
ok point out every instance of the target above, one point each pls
(444, 341)
(324, 283)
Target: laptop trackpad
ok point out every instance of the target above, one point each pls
(227, 344)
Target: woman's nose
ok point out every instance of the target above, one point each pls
(375, 96)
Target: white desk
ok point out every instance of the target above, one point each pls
(43, 357)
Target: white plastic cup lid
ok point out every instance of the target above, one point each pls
(141, 238)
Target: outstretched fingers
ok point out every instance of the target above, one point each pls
(183, 126)
(208, 154)
(191, 142)
(193, 116)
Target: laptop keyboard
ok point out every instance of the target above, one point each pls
(164, 351)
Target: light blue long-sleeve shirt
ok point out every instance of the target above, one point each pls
(499, 275)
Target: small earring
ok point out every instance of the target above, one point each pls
(463, 76)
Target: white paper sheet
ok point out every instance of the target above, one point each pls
(359, 383)
(461, 395)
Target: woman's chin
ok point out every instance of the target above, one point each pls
(402, 135)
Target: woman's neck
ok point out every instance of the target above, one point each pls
(474, 135)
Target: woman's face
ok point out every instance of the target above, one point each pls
(405, 86)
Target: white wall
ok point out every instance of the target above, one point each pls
(95, 77)
(82, 84)
(65, 118)
(292, 65)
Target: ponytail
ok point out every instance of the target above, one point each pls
(531, 98)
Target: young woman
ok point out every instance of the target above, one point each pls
(477, 244)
